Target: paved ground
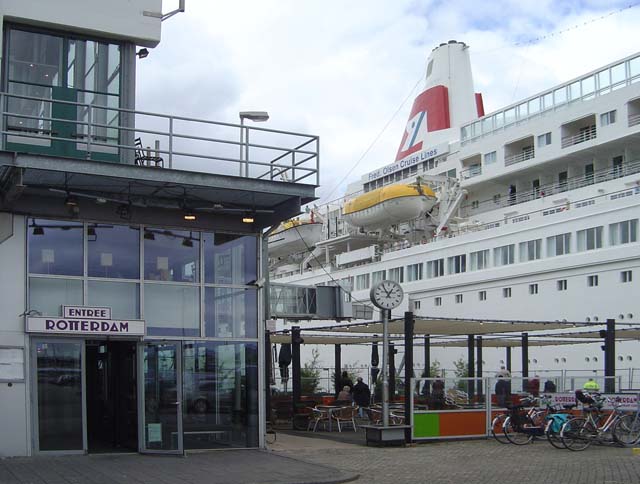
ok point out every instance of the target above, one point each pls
(475, 462)
(222, 467)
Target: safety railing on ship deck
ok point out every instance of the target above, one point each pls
(586, 135)
(102, 133)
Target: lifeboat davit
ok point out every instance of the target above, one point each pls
(295, 235)
(389, 205)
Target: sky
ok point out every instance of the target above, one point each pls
(346, 70)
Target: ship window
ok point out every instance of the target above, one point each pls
(544, 139)
(588, 85)
(623, 232)
(506, 292)
(482, 295)
(487, 125)
(457, 264)
(530, 250)
(533, 289)
(479, 260)
(523, 111)
(416, 304)
(362, 282)
(414, 272)
(560, 96)
(429, 68)
(558, 245)
(534, 106)
(490, 158)
(475, 204)
(604, 80)
(574, 91)
(496, 198)
(378, 276)
(437, 301)
(589, 239)
(435, 268)
(592, 281)
(504, 255)
(608, 118)
(562, 285)
(547, 101)
(617, 75)
(626, 276)
(634, 67)
(509, 116)
(396, 274)
(498, 120)
(458, 298)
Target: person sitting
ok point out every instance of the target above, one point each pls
(344, 397)
(549, 387)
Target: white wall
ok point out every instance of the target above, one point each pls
(14, 398)
(117, 19)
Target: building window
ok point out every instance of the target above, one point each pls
(562, 285)
(530, 250)
(490, 158)
(378, 276)
(608, 118)
(457, 264)
(544, 139)
(504, 255)
(626, 276)
(589, 239)
(506, 292)
(362, 282)
(437, 301)
(414, 272)
(416, 304)
(479, 260)
(623, 232)
(533, 289)
(558, 245)
(396, 274)
(592, 281)
(475, 204)
(435, 268)
(458, 298)
(496, 198)
(482, 295)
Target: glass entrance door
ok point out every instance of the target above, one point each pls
(162, 398)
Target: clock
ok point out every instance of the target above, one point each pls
(386, 294)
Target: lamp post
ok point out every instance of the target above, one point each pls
(256, 117)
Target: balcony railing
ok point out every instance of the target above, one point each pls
(472, 171)
(103, 133)
(634, 119)
(581, 137)
(519, 158)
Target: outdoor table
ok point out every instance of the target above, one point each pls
(329, 409)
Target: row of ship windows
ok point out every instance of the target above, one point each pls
(624, 232)
(406, 173)
(561, 285)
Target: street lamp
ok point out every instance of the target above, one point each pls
(256, 117)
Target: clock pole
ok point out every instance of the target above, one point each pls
(385, 366)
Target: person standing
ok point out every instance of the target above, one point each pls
(361, 395)
(503, 391)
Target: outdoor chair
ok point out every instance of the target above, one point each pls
(318, 416)
(374, 414)
(145, 158)
(345, 416)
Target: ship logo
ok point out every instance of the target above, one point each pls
(430, 112)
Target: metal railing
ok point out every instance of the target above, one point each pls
(472, 171)
(584, 135)
(519, 158)
(97, 132)
(634, 119)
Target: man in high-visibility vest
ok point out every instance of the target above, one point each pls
(591, 386)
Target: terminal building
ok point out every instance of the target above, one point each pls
(132, 281)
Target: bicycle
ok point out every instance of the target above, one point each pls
(579, 433)
(521, 426)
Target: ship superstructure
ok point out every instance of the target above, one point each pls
(532, 210)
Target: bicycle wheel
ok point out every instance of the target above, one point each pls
(576, 434)
(626, 430)
(553, 437)
(497, 426)
(514, 434)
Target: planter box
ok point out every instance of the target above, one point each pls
(378, 434)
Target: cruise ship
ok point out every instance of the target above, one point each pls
(526, 213)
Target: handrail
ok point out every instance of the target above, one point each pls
(586, 135)
(519, 157)
(634, 119)
(185, 139)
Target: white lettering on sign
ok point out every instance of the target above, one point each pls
(71, 326)
(86, 312)
(407, 162)
(625, 401)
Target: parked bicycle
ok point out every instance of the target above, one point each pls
(522, 425)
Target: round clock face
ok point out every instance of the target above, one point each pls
(387, 294)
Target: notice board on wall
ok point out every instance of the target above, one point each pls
(11, 364)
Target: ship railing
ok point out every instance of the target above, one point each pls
(634, 119)
(599, 176)
(519, 158)
(472, 171)
(585, 135)
(96, 132)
